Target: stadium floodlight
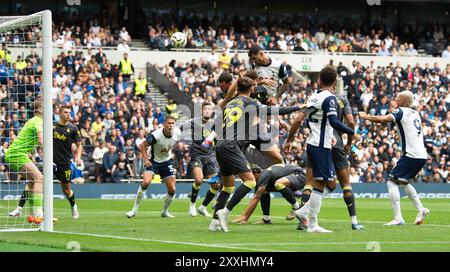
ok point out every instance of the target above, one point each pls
(28, 79)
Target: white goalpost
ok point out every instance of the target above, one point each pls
(26, 56)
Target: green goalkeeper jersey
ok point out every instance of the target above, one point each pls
(27, 140)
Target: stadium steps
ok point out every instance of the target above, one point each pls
(159, 99)
(139, 44)
(155, 95)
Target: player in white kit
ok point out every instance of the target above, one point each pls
(413, 158)
(160, 142)
(322, 119)
(272, 73)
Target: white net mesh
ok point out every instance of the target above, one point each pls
(21, 158)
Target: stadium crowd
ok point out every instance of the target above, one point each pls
(75, 34)
(113, 118)
(298, 33)
(370, 89)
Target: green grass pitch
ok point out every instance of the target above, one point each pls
(104, 227)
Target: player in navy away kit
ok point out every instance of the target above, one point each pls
(202, 163)
(240, 120)
(414, 155)
(282, 178)
(322, 119)
(65, 134)
(160, 142)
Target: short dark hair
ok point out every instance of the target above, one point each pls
(63, 107)
(206, 103)
(225, 77)
(171, 117)
(251, 74)
(328, 75)
(244, 84)
(254, 50)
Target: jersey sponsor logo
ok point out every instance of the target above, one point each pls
(59, 136)
(340, 103)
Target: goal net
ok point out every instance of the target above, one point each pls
(26, 143)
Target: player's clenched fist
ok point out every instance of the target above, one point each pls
(147, 163)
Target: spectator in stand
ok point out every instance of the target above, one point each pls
(123, 46)
(109, 158)
(98, 154)
(121, 169)
(138, 165)
(126, 67)
(446, 52)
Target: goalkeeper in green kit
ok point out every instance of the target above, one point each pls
(18, 160)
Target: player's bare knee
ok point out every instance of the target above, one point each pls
(145, 184)
(171, 191)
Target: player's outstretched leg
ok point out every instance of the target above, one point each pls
(422, 211)
(208, 198)
(227, 190)
(70, 195)
(148, 176)
(171, 187)
(23, 199)
(265, 207)
(248, 184)
(394, 195)
(344, 180)
(198, 180)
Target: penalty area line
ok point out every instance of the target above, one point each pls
(165, 241)
(338, 243)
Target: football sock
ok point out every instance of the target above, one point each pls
(349, 200)
(209, 196)
(194, 192)
(23, 199)
(37, 204)
(316, 202)
(306, 195)
(288, 194)
(222, 199)
(394, 195)
(71, 198)
(412, 194)
(140, 194)
(240, 193)
(167, 201)
(265, 204)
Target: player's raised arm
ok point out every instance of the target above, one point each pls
(285, 78)
(230, 93)
(329, 108)
(379, 118)
(350, 122)
(293, 130)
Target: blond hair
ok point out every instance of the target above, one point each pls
(408, 98)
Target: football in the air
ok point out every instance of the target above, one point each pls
(178, 40)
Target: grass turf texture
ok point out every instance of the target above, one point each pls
(104, 227)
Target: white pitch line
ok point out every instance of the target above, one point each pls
(278, 217)
(165, 241)
(338, 243)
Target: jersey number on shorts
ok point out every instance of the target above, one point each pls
(67, 172)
